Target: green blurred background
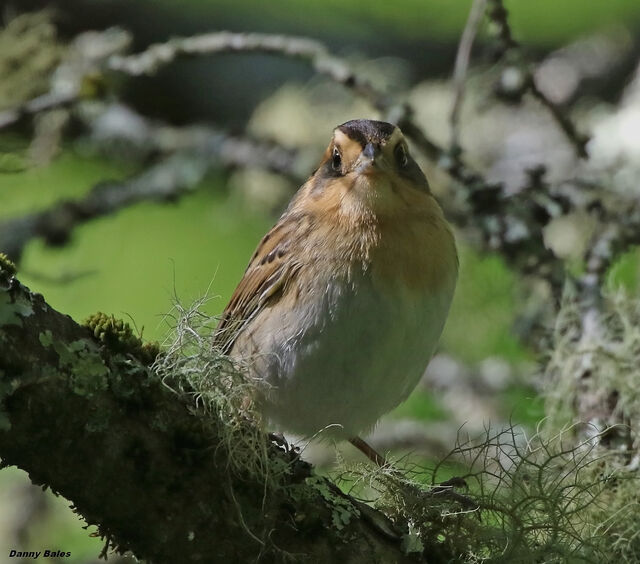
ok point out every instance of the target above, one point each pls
(136, 263)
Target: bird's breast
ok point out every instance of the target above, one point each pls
(354, 333)
(343, 359)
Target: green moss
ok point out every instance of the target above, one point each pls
(118, 336)
(7, 266)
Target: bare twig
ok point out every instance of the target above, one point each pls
(619, 231)
(578, 140)
(312, 52)
(461, 65)
(498, 15)
(32, 107)
(161, 182)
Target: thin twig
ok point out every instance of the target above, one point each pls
(461, 65)
(578, 140)
(32, 107)
(312, 52)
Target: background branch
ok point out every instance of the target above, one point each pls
(497, 218)
(510, 50)
(461, 65)
(191, 153)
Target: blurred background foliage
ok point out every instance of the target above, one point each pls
(136, 263)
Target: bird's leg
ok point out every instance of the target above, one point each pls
(369, 451)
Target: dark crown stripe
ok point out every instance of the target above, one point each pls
(365, 131)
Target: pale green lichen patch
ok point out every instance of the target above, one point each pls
(89, 374)
(342, 510)
(81, 361)
(46, 338)
(12, 312)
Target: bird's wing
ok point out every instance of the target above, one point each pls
(271, 270)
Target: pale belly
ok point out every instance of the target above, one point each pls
(335, 364)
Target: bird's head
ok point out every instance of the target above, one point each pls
(370, 161)
(371, 148)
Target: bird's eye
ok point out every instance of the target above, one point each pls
(336, 159)
(401, 156)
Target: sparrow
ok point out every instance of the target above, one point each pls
(345, 298)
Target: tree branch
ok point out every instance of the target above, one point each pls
(462, 63)
(311, 52)
(148, 467)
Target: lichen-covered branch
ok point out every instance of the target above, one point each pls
(307, 50)
(148, 467)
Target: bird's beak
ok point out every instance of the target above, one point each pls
(369, 159)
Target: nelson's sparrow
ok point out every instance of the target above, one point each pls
(345, 298)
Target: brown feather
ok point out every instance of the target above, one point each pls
(269, 271)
